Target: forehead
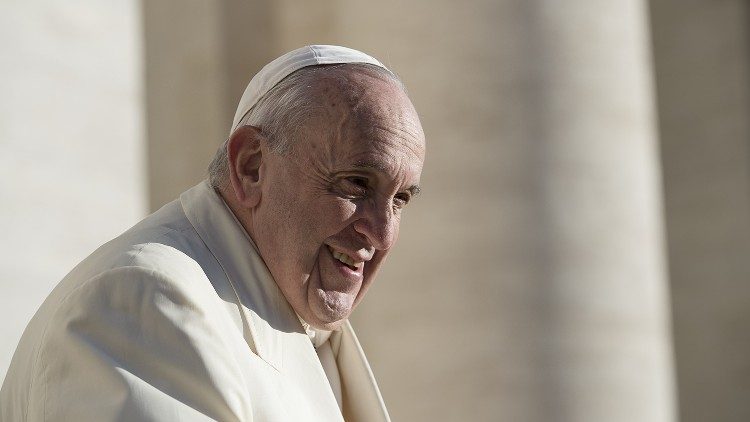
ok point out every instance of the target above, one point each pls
(364, 118)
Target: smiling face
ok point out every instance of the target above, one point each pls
(330, 208)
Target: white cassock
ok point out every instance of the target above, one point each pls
(178, 319)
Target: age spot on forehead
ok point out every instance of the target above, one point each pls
(359, 107)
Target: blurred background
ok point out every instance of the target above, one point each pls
(581, 251)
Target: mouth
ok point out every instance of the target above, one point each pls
(347, 260)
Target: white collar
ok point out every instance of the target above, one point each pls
(317, 336)
(265, 309)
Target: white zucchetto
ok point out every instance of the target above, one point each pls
(280, 68)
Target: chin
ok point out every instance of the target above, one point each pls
(329, 309)
(326, 323)
(331, 326)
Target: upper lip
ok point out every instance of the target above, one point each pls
(359, 256)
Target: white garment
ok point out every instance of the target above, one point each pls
(319, 339)
(331, 368)
(178, 319)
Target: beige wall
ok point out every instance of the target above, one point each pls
(71, 144)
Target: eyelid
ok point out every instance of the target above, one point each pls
(354, 186)
(408, 195)
(358, 178)
(403, 198)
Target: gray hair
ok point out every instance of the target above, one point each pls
(281, 113)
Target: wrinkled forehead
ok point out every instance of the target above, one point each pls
(363, 103)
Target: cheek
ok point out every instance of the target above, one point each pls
(309, 223)
(284, 222)
(308, 218)
(334, 214)
(344, 209)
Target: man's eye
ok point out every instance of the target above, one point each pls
(360, 182)
(355, 186)
(401, 199)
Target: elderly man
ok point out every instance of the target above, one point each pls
(231, 303)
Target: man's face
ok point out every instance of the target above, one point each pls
(330, 208)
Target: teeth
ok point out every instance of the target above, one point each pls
(346, 259)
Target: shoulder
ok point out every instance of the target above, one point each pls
(154, 269)
(149, 280)
(164, 245)
(162, 261)
(139, 318)
(133, 268)
(153, 332)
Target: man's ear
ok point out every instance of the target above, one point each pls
(245, 153)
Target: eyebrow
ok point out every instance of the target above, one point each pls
(368, 164)
(414, 190)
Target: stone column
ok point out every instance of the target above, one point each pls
(71, 144)
(200, 55)
(185, 76)
(606, 353)
(702, 53)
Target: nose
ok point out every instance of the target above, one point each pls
(379, 224)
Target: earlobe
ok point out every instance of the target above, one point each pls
(245, 154)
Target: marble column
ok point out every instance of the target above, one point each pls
(199, 57)
(606, 353)
(71, 144)
(185, 85)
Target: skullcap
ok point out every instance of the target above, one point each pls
(280, 68)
